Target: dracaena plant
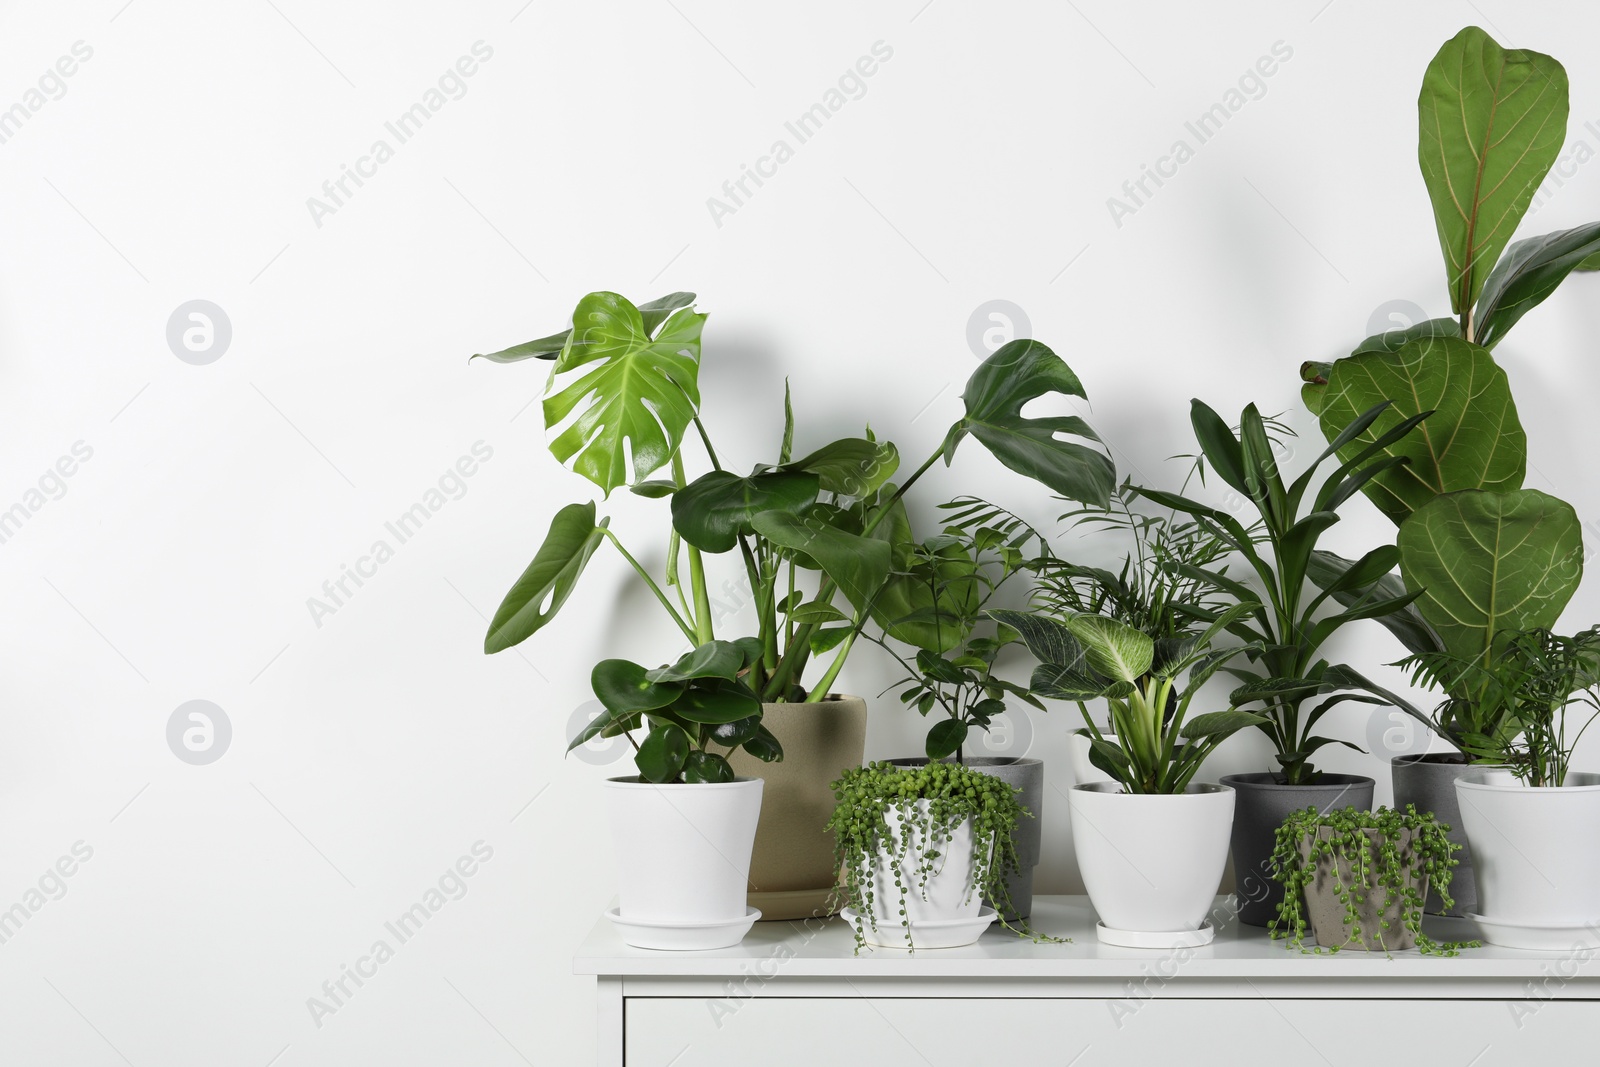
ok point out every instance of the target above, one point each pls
(1288, 624)
(1511, 708)
(816, 537)
(1148, 685)
(1485, 554)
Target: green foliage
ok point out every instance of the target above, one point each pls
(1365, 853)
(1510, 707)
(549, 579)
(1287, 629)
(938, 601)
(954, 795)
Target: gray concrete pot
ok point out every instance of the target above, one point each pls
(1429, 782)
(1327, 915)
(1262, 805)
(1028, 776)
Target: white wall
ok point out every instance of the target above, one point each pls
(372, 751)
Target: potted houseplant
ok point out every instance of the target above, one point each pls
(1287, 677)
(1151, 843)
(921, 847)
(1530, 819)
(816, 537)
(947, 581)
(1487, 553)
(1358, 879)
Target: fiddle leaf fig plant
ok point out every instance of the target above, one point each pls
(821, 539)
(1481, 552)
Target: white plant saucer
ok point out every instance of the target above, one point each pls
(1538, 937)
(1156, 939)
(682, 937)
(925, 933)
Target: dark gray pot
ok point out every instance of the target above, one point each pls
(1028, 776)
(1326, 914)
(1262, 804)
(1429, 782)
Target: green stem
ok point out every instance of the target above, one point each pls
(825, 684)
(654, 588)
(703, 631)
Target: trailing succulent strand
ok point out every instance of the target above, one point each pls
(954, 795)
(1399, 854)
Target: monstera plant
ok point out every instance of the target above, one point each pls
(823, 540)
(1482, 553)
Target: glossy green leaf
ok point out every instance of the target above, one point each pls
(651, 315)
(735, 733)
(654, 490)
(714, 659)
(1531, 270)
(1048, 639)
(1473, 439)
(706, 767)
(814, 612)
(713, 510)
(662, 753)
(945, 737)
(550, 578)
(858, 565)
(1395, 340)
(1487, 562)
(851, 466)
(607, 724)
(717, 702)
(1492, 121)
(622, 393)
(1330, 571)
(1017, 373)
(764, 746)
(624, 687)
(1218, 725)
(1065, 683)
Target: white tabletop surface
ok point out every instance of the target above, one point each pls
(826, 949)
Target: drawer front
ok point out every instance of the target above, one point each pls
(773, 1031)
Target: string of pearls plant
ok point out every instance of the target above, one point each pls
(955, 794)
(1364, 853)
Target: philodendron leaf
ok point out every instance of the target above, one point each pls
(851, 466)
(549, 579)
(623, 394)
(651, 313)
(1492, 121)
(1112, 648)
(1488, 562)
(1064, 683)
(713, 510)
(1473, 439)
(1018, 372)
(1530, 271)
(858, 565)
(663, 753)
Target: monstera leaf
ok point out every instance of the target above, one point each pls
(713, 510)
(852, 466)
(1487, 562)
(549, 579)
(633, 394)
(652, 314)
(1018, 372)
(1472, 440)
(1528, 273)
(1492, 122)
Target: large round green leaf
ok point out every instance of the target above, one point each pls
(626, 688)
(549, 579)
(1492, 121)
(663, 753)
(617, 393)
(1473, 439)
(713, 510)
(1018, 372)
(1488, 562)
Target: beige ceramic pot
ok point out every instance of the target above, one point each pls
(792, 870)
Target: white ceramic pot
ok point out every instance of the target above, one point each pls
(683, 860)
(1536, 853)
(946, 911)
(1152, 863)
(1084, 772)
